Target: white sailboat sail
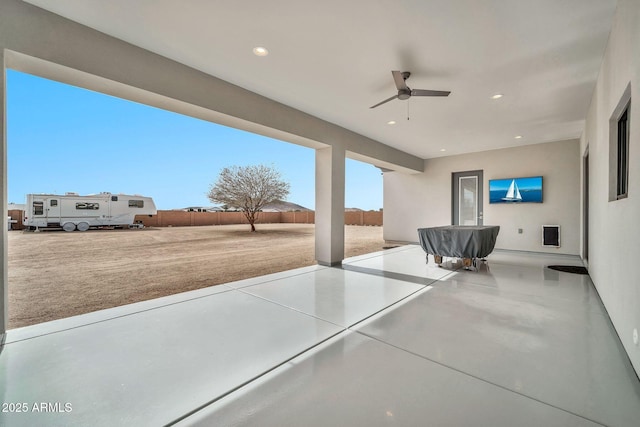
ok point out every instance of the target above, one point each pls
(513, 193)
(518, 195)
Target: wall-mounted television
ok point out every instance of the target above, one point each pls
(516, 190)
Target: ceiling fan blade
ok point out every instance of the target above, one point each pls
(386, 100)
(424, 92)
(400, 82)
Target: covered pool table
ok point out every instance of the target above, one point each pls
(468, 242)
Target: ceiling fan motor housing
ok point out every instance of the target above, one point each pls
(404, 94)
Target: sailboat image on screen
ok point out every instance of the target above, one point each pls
(510, 191)
(513, 193)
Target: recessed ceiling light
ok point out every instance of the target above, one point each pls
(443, 149)
(518, 137)
(260, 51)
(391, 122)
(497, 96)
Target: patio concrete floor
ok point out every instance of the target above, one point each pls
(383, 340)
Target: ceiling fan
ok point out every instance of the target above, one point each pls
(405, 92)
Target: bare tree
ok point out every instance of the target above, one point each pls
(248, 188)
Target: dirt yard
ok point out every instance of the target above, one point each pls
(55, 274)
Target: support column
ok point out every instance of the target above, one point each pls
(4, 278)
(330, 181)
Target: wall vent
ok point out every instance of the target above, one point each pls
(551, 235)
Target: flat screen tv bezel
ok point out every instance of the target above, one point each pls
(517, 178)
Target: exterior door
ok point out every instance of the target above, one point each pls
(467, 198)
(39, 212)
(53, 209)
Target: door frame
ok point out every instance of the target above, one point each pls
(455, 179)
(585, 205)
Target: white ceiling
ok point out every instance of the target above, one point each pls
(333, 59)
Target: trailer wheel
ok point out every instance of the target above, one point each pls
(68, 226)
(83, 226)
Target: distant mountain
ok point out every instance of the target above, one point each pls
(277, 206)
(282, 206)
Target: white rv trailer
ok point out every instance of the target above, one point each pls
(74, 212)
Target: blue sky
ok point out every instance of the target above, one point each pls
(63, 138)
(530, 183)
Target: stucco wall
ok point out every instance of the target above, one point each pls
(614, 238)
(424, 200)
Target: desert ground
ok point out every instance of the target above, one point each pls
(54, 274)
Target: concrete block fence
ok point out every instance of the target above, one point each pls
(186, 219)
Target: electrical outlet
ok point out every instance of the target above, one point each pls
(519, 230)
(635, 336)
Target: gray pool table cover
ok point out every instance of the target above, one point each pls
(459, 241)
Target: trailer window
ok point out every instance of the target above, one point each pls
(38, 208)
(114, 198)
(53, 203)
(88, 206)
(136, 203)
